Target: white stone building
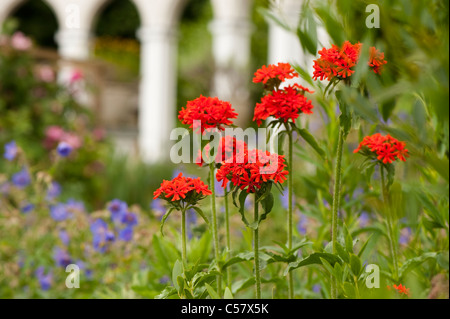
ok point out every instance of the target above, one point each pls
(231, 30)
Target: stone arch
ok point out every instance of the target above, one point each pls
(45, 35)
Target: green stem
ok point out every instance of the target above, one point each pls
(290, 197)
(214, 225)
(336, 203)
(256, 249)
(183, 236)
(228, 236)
(389, 222)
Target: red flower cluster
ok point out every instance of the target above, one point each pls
(183, 188)
(376, 60)
(401, 289)
(283, 104)
(281, 71)
(386, 148)
(227, 149)
(211, 112)
(252, 169)
(339, 62)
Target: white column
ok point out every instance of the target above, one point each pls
(231, 31)
(284, 45)
(157, 100)
(6, 6)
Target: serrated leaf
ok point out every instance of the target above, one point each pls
(166, 293)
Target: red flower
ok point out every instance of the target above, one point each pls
(257, 169)
(402, 289)
(279, 72)
(227, 149)
(211, 112)
(340, 62)
(283, 104)
(188, 189)
(385, 148)
(376, 60)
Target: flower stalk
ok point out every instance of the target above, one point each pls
(256, 250)
(214, 224)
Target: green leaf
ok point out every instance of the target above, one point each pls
(166, 293)
(349, 290)
(177, 272)
(413, 263)
(307, 42)
(201, 213)
(212, 293)
(342, 253)
(245, 256)
(355, 265)
(307, 136)
(267, 205)
(242, 197)
(315, 258)
(164, 219)
(228, 294)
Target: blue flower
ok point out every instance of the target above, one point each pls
(101, 235)
(61, 257)
(285, 199)
(191, 221)
(74, 205)
(317, 288)
(59, 212)
(364, 219)
(220, 191)
(117, 208)
(64, 236)
(129, 219)
(158, 208)
(53, 191)
(26, 207)
(126, 234)
(45, 280)
(64, 149)
(302, 224)
(11, 151)
(405, 236)
(21, 179)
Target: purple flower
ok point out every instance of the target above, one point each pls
(285, 199)
(317, 288)
(164, 280)
(61, 257)
(53, 191)
(191, 222)
(220, 191)
(45, 280)
(26, 207)
(158, 208)
(302, 224)
(64, 236)
(405, 236)
(64, 149)
(59, 212)
(11, 151)
(129, 219)
(126, 234)
(101, 235)
(4, 188)
(74, 205)
(21, 179)
(364, 219)
(117, 208)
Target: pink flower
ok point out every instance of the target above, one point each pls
(45, 74)
(72, 139)
(20, 42)
(76, 76)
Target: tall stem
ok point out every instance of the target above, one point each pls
(290, 197)
(392, 242)
(228, 236)
(214, 224)
(256, 249)
(183, 236)
(336, 203)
